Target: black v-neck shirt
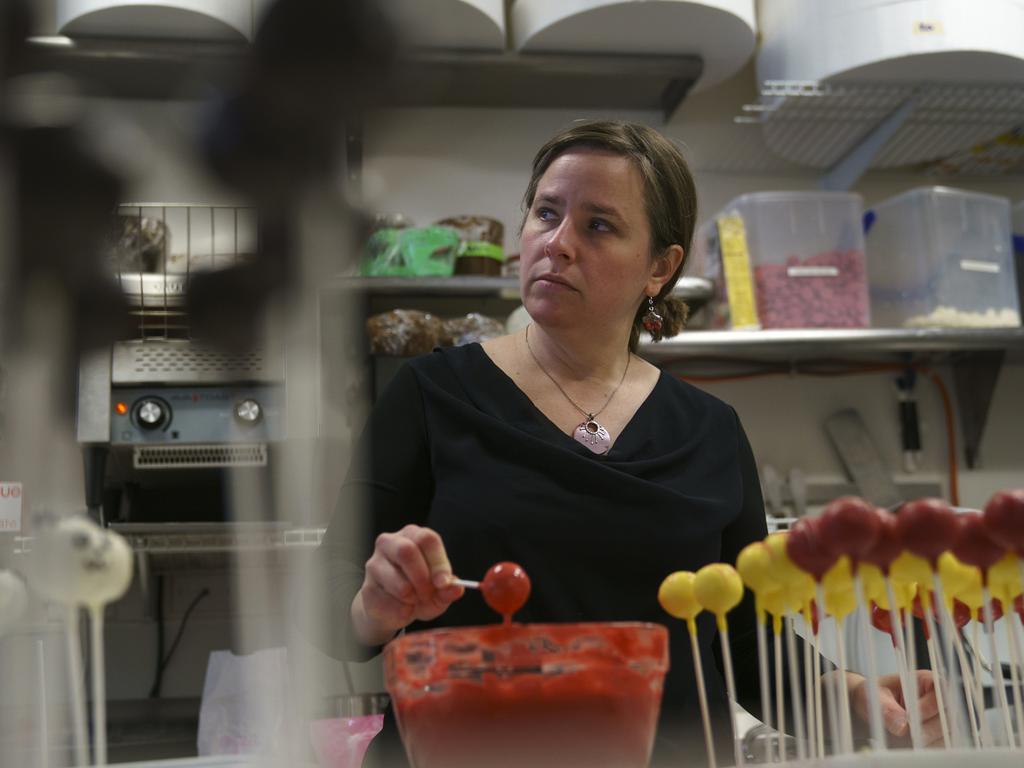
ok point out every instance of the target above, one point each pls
(453, 444)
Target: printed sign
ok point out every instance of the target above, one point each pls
(812, 271)
(973, 265)
(928, 28)
(10, 507)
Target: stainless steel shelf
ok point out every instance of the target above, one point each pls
(805, 344)
(154, 69)
(692, 289)
(199, 538)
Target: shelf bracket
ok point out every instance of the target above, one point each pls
(974, 378)
(844, 174)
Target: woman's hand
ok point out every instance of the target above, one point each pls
(408, 577)
(894, 710)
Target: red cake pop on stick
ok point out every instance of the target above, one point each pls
(973, 545)
(888, 547)
(850, 526)
(505, 588)
(928, 528)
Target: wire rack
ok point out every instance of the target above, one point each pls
(157, 248)
(817, 124)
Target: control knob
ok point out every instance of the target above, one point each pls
(151, 413)
(248, 411)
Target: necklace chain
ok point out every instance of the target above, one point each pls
(586, 414)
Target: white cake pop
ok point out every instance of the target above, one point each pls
(13, 600)
(75, 562)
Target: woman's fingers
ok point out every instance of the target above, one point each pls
(894, 715)
(408, 577)
(404, 553)
(927, 702)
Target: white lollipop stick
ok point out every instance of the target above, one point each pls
(44, 719)
(937, 676)
(74, 652)
(698, 671)
(953, 686)
(465, 583)
(987, 739)
(762, 663)
(730, 687)
(997, 668)
(874, 696)
(99, 686)
(780, 699)
(819, 727)
(812, 731)
(911, 646)
(845, 722)
(830, 690)
(908, 676)
(1015, 662)
(975, 704)
(794, 691)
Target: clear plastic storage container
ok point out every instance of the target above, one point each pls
(806, 260)
(942, 257)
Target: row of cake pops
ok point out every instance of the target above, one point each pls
(927, 560)
(75, 564)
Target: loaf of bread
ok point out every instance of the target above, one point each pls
(473, 327)
(403, 332)
(138, 244)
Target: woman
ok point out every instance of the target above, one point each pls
(557, 447)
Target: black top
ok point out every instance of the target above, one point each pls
(453, 444)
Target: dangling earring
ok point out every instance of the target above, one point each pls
(652, 321)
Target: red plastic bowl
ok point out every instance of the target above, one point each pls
(517, 695)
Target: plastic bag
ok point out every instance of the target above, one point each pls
(244, 705)
(341, 742)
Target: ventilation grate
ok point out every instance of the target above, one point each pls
(172, 362)
(198, 456)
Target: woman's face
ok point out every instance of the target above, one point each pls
(585, 250)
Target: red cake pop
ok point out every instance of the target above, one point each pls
(505, 588)
(849, 526)
(997, 612)
(973, 545)
(882, 621)
(888, 545)
(1004, 519)
(806, 549)
(927, 528)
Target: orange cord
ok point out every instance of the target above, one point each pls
(854, 368)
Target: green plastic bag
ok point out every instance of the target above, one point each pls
(414, 252)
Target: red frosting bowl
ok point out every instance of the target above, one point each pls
(517, 695)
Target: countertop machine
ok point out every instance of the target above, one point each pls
(162, 417)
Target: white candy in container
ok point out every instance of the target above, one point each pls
(942, 257)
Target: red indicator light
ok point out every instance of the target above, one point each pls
(121, 408)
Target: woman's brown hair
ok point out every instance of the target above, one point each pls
(670, 198)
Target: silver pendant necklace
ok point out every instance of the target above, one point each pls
(588, 432)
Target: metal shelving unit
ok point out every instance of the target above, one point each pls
(975, 356)
(156, 69)
(793, 345)
(693, 289)
(201, 538)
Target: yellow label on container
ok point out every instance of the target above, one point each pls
(739, 284)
